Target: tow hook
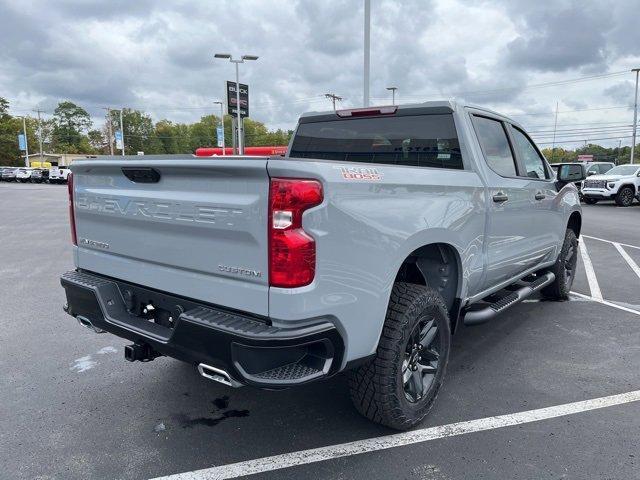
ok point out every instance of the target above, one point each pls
(140, 352)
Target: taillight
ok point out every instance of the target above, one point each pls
(72, 217)
(292, 251)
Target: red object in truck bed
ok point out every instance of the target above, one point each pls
(211, 151)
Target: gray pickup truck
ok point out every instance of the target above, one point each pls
(361, 250)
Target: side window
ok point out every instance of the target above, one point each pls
(593, 170)
(605, 167)
(533, 162)
(495, 146)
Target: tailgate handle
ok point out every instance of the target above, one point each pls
(141, 174)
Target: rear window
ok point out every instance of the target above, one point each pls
(413, 140)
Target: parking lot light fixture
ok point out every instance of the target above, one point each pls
(239, 118)
(393, 93)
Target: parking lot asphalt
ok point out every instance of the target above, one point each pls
(72, 408)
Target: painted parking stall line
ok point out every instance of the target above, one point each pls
(634, 266)
(610, 241)
(594, 287)
(314, 455)
(606, 302)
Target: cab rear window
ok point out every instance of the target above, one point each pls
(412, 140)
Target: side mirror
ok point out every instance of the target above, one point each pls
(590, 173)
(571, 173)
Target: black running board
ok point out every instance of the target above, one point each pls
(483, 315)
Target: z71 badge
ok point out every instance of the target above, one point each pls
(365, 174)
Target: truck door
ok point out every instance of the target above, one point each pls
(517, 236)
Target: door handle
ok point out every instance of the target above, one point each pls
(540, 196)
(500, 197)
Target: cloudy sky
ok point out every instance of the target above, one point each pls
(158, 56)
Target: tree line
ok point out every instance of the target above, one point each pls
(71, 130)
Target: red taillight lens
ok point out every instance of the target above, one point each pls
(292, 251)
(72, 217)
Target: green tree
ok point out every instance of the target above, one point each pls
(70, 124)
(139, 132)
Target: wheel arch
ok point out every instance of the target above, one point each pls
(575, 223)
(437, 265)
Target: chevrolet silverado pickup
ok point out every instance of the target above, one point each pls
(363, 249)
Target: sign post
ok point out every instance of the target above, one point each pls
(238, 96)
(119, 142)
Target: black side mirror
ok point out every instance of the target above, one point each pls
(571, 173)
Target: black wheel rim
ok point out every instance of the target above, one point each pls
(421, 359)
(570, 261)
(627, 196)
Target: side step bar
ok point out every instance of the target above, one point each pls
(476, 317)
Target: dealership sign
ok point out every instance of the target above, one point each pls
(232, 99)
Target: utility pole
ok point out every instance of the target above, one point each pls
(367, 50)
(121, 133)
(333, 97)
(555, 125)
(393, 92)
(109, 131)
(635, 117)
(39, 131)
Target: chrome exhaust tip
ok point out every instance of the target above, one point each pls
(217, 375)
(86, 323)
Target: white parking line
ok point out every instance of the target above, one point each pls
(634, 266)
(605, 302)
(304, 457)
(594, 288)
(610, 241)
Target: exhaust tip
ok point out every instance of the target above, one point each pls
(217, 375)
(85, 322)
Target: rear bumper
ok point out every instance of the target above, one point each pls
(248, 348)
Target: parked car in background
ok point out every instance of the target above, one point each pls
(621, 183)
(589, 168)
(58, 174)
(379, 232)
(40, 175)
(24, 174)
(8, 170)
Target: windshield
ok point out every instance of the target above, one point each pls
(623, 170)
(415, 140)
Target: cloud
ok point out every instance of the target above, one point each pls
(158, 56)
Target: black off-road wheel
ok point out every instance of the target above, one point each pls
(590, 201)
(400, 385)
(564, 269)
(624, 198)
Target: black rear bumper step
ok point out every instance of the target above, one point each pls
(252, 351)
(479, 314)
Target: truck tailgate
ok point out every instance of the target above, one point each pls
(199, 231)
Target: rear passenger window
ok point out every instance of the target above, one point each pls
(533, 161)
(495, 146)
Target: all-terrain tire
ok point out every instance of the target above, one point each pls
(624, 198)
(590, 201)
(378, 388)
(564, 269)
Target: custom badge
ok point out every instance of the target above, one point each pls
(364, 174)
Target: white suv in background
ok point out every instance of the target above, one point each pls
(621, 183)
(58, 174)
(24, 174)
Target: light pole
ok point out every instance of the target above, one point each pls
(221, 121)
(367, 50)
(393, 93)
(635, 116)
(239, 118)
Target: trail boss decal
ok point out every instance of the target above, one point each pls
(364, 174)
